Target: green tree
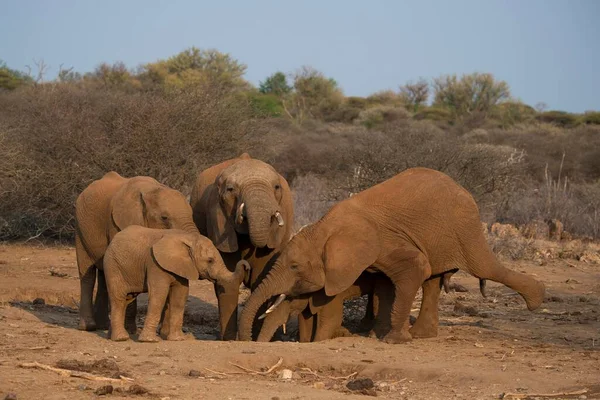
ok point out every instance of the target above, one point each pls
(11, 79)
(471, 94)
(275, 84)
(195, 66)
(314, 96)
(115, 75)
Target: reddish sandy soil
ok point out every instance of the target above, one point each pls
(485, 347)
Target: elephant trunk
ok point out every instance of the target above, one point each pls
(273, 321)
(188, 226)
(260, 210)
(279, 280)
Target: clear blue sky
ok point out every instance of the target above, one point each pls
(547, 50)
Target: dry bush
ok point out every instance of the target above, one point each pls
(377, 115)
(546, 144)
(67, 135)
(351, 158)
(312, 197)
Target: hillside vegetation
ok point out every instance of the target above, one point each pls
(171, 118)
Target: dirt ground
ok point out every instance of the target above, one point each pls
(485, 347)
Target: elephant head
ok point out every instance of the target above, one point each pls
(291, 307)
(314, 259)
(193, 256)
(250, 198)
(144, 201)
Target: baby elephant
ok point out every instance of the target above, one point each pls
(160, 262)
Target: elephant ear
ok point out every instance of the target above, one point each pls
(174, 254)
(219, 226)
(347, 255)
(317, 301)
(280, 235)
(128, 208)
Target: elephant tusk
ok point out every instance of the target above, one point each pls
(240, 214)
(279, 218)
(279, 300)
(283, 327)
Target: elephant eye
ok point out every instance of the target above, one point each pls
(277, 187)
(164, 217)
(211, 260)
(230, 188)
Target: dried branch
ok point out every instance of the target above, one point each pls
(75, 374)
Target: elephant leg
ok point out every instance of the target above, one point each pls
(177, 299)
(227, 296)
(329, 319)
(101, 303)
(407, 276)
(165, 319)
(383, 300)
(426, 325)
(306, 326)
(118, 305)
(366, 324)
(157, 296)
(130, 317)
(87, 280)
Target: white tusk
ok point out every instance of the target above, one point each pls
(263, 316)
(240, 214)
(279, 218)
(279, 300)
(283, 327)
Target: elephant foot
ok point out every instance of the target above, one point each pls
(423, 331)
(148, 337)
(177, 336)
(365, 325)
(131, 328)
(395, 337)
(342, 332)
(164, 331)
(87, 325)
(119, 336)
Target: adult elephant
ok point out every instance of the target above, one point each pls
(107, 206)
(417, 225)
(245, 207)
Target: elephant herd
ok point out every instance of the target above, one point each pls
(414, 230)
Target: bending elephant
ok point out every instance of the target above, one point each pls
(320, 316)
(107, 206)
(245, 207)
(416, 225)
(160, 262)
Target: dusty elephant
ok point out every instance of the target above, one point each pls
(320, 317)
(245, 207)
(105, 207)
(160, 262)
(416, 225)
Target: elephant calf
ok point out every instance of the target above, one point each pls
(160, 262)
(320, 316)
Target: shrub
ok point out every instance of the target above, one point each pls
(265, 105)
(377, 115)
(511, 113)
(558, 118)
(433, 114)
(64, 136)
(385, 98)
(590, 118)
(471, 93)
